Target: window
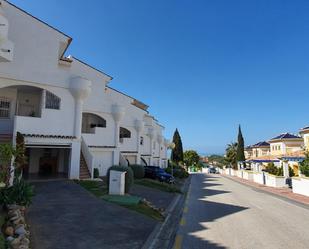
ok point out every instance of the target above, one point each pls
(52, 101)
(5, 105)
(141, 142)
(124, 133)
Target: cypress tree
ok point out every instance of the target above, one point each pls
(177, 152)
(240, 156)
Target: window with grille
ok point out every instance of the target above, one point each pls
(5, 105)
(52, 101)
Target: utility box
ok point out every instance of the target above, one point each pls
(117, 182)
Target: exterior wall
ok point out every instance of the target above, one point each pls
(259, 152)
(103, 160)
(38, 48)
(284, 147)
(306, 141)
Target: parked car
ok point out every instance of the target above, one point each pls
(213, 170)
(155, 172)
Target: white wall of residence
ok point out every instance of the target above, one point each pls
(35, 63)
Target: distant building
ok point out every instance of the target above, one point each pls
(260, 149)
(285, 143)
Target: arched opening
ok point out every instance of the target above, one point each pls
(91, 121)
(27, 101)
(124, 133)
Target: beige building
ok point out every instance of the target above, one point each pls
(304, 132)
(260, 149)
(285, 143)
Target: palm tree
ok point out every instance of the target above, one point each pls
(231, 154)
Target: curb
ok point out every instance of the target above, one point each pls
(281, 197)
(161, 236)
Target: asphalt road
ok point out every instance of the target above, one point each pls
(221, 213)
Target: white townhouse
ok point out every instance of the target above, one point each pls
(72, 121)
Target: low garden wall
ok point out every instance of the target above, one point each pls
(233, 172)
(227, 171)
(275, 181)
(300, 185)
(248, 175)
(239, 173)
(258, 178)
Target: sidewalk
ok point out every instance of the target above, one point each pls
(281, 192)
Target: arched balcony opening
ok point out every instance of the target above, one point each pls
(124, 133)
(91, 121)
(26, 101)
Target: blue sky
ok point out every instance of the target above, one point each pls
(203, 66)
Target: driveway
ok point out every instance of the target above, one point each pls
(64, 215)
(221, 213)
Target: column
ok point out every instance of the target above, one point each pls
(75, 160)
(118, 113)
(285, 166)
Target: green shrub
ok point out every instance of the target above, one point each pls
(96, 173)
(272, 169)
(20, 193)
(178, 172)
(129, 176)
(304, 166)
(138, 171)
(291, 172)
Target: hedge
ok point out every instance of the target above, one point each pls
(138, 171)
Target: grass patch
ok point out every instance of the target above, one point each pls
(2, 238)
(146, 210)
(100, 190)
(124, 200)
(158, 185)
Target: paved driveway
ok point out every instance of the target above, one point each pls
(64, 215)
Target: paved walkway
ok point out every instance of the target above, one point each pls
(221, 213)
(282, 192)
(64, 215)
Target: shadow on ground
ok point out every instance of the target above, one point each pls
(202, 210)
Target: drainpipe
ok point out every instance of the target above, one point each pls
(151, 134)
(160, 140)
(117, 113)
(139, 127)
(80, 89)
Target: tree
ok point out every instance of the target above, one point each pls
(240, 155)
(190, 157)
(304, 165)
(230, 156)
(12, 155)
(177, 152)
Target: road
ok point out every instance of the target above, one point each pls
(220, 213)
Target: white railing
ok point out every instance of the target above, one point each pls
(88, 157)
